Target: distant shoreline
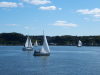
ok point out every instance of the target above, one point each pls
(17, 39)
(51, 45)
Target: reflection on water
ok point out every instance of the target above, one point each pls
(64, 60)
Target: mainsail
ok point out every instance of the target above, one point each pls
(28, 42)
(45, 47)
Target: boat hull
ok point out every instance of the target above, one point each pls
(40, 54)
(27, 49)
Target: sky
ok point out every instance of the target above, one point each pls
(55, 17)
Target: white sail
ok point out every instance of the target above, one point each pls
(45, 47)
(28, 42)
(79, 43)
(35, 44)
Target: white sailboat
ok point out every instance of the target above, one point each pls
(44, 51)
(79, 43)
(35, 44)
(28, 45)
(35, 47)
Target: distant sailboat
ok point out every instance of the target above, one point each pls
(35, 47)
(35, 44)
(28, 45)
(44, 51)
(79, 43)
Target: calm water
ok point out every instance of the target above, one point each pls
(64, 60)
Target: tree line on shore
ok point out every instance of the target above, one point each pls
(67, 40)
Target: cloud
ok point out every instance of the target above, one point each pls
(94, 12)
(10, 4)
(49, 8)
(37, 2)
(64, 23)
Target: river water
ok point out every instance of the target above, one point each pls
(64, 60)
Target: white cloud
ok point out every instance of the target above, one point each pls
(37, 2)
(84, 11)
(10, 4)
(95, 12)
(48, 8)
(64, 23)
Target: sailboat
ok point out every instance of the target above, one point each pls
(35, 44)
(28, 45)
(79, 43)
(35, 47)
(44, 51)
